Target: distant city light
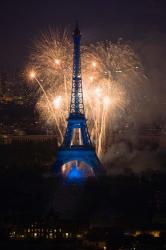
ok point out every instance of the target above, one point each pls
(67, 235)
(35, 235)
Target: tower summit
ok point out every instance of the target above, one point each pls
(76, 156)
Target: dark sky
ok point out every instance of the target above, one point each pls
(22, 21)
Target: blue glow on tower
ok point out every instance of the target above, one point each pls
(74, 173)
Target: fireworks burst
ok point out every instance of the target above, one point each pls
(112, 76)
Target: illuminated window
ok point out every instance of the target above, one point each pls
(50, 235)
(35, 235)
(137, 233)
(155, 234)
(79, 236)
(12, 234)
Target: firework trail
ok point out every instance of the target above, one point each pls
(112, 80)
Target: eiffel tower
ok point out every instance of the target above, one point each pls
(77, 150)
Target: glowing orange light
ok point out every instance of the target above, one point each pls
(98, 91)
(32, 74)
(94, 64)
(91, 78)
(57, 61)
(57, 101)
(106, 100)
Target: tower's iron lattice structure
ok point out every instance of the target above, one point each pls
(77, 145)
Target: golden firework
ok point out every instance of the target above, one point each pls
(111, 74)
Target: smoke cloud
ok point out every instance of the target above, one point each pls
(126, 156)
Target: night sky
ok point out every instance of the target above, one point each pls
(21, 22)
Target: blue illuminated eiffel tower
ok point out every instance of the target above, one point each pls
(77, 145)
